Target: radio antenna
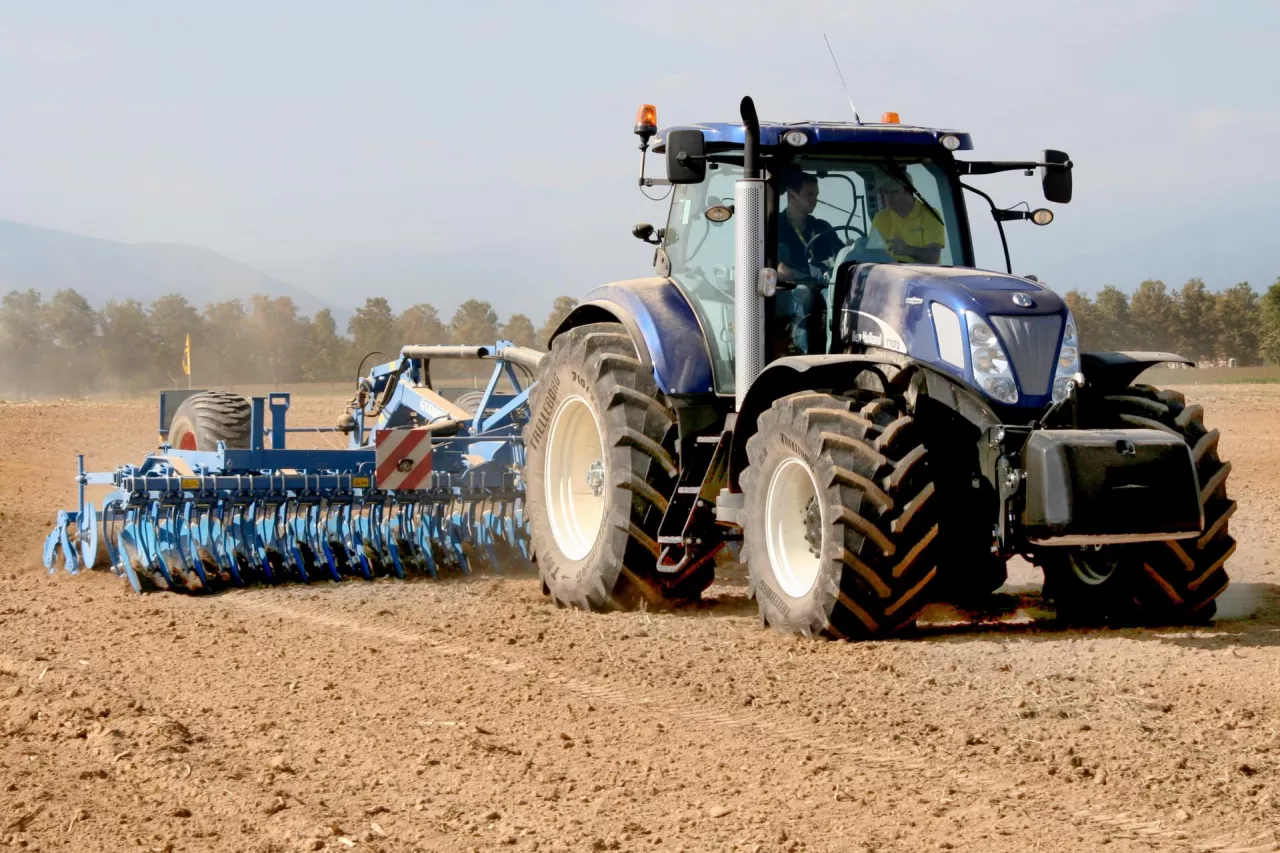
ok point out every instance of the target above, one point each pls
(842, 83)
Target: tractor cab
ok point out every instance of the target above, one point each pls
(837, 195)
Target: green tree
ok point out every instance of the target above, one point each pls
(1237, 320)
(1195, 329)
(128, 344)
(23, 341)
(421, 324)
(1153, 316)
(1269, 323)
(279, 338)
(373, 328)
(75, 346)
(172, 318)
(474, 322)
(519, 330)
(328, 359)
(559, 310)
(1111, 316)
(224, 355)
(1085, 314)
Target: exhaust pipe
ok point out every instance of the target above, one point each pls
(749, 207)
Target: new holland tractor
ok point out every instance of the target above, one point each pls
(879, 422)
(817, 375)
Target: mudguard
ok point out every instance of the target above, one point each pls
(662, 324)
(1119, 369)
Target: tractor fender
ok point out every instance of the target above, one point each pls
(837, 373)
(1119, 369)
(662, 324)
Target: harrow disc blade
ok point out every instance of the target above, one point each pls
(54, 552)
(146, 538)
(187, 543)
(169, 550)
(93, 548)
(127, 547)
(302, 558)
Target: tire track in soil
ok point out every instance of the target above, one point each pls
(896, 761)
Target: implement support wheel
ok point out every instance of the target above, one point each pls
(206, 418)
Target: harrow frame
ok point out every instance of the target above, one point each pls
(203, 520)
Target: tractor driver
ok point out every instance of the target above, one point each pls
(912, 232)
(804, 241)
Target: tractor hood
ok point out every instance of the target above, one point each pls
(922, 311)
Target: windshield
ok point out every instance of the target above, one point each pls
(875, 209)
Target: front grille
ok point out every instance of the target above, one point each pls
(1032, 345)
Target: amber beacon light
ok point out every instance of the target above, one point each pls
(646, 124)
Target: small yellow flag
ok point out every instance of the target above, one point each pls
(186, 358)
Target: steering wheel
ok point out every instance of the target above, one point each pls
(827, 264)
(852, 228)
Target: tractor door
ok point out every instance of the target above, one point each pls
(701, 254)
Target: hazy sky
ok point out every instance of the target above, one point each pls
(490, 143)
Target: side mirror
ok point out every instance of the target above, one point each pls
(686, 157)
(646, 232)
(1055, 177)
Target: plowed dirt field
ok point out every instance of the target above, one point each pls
(474, 715)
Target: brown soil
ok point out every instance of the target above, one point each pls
(473, 715)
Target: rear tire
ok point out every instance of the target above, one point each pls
(208, 417)
(1171, 582)
(599, 472)
(841, 525)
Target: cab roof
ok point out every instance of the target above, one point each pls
(726, 134)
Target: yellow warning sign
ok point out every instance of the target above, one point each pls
(359, 482)
(190, 483)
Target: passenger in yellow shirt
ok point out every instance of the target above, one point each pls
(911, 232)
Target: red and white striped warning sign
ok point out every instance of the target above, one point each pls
(403, 458)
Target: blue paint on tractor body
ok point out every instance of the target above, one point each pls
(669, 331)
(901, 297)
(720, 134)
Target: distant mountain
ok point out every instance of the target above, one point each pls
(49, 260)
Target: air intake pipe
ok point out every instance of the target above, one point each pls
(749, 205)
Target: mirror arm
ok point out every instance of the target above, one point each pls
(649, 182)
(990, 167)
(995, 214)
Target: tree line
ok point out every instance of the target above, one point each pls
(1234, 326)
(63, 346)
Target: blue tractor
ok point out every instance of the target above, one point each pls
(877, 423)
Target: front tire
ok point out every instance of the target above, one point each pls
(841, 517)
(599, 474)
(1154, 583)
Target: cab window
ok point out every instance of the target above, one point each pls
(701, 255)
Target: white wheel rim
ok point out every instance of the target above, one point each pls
(1092, 569)
(576, 477)
(794, 564)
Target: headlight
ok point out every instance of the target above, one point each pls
(980, 335)
(989, 361)
(1068, 361)
(991, 369)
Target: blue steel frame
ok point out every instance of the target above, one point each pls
(181, 516)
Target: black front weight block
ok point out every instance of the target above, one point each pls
(1087, 487)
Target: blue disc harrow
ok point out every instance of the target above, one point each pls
(423, 488)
